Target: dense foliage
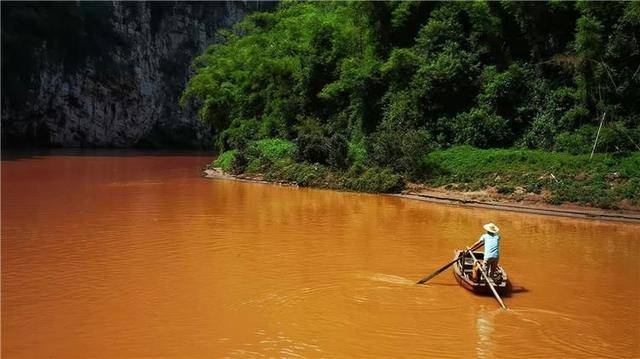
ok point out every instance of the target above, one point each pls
(358, 85)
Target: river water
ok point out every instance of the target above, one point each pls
(133, 254)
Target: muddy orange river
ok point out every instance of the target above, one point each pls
(132, 254)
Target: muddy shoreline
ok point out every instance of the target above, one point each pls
(438, 195)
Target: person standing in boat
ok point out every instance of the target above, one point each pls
(491, 242)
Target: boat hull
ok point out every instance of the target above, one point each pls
(462, 274)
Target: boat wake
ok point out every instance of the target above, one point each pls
(388, 278)
(552, 326)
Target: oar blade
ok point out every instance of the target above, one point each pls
(427, 278)
(438, 271)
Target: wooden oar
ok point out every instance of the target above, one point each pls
(444, 267)
(486, 277)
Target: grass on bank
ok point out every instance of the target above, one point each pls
(604, 181)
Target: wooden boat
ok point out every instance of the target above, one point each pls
(462, 271)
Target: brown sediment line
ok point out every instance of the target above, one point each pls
(455, 198)
(217, 173)
(548, 210)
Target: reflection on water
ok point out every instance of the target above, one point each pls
(484, 329)
(135, 255)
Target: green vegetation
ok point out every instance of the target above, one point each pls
(602, 181)
(225, 159)
(276, 159)
(362, 91)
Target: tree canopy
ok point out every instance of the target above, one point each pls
(384, 82)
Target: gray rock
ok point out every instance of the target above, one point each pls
(135, 102)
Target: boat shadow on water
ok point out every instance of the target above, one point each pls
(435, 284)
(514, 289)
(508, 292)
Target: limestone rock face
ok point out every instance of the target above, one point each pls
(129, 95)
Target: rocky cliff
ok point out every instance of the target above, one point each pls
(105, 74)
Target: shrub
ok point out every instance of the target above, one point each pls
(313, 145)
(356, 154)
(480, 127)
(239, 163)
(630, 167)
(373, 180)
(613, 137)
(257, 156)
(254, 166)
(540, 134)
(314, 149)
(302, 174)
(508, 93)
(576, 142)
(400, 150)
(238, 135)
(271, 150)
(403, 108)
(338, 151)
(225, 159)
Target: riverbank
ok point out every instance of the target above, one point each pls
(530, 177)
(480, 199)
(490, 199)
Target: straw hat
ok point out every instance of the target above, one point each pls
(492, 228)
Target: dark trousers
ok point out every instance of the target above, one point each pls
(491, 266)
